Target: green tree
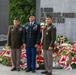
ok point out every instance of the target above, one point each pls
(21, 9)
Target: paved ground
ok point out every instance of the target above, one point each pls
(4, 70)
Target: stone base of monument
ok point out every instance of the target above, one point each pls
(1, 48)
(2, 43)
(3, 39)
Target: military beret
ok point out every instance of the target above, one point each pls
(31, 15)
(16, 18)
(48, 16)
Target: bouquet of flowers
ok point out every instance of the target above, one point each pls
(65, 57)
(5, 56)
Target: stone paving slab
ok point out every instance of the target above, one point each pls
(5, 70)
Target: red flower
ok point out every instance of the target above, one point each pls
(0, 53)
(40, 58)
(23, 55)
(74, 59)
(63, 59)
(62, 64)
(8, 52)
(40, 61)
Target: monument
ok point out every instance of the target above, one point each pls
(4, 20)
(63, 13)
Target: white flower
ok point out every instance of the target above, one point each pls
(64, 44)
(42, 23)
(67, 45)
(8, 55)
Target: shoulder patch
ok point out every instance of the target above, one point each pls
(11, 26)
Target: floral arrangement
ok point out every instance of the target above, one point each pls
(64, 55)
(5, 57)
(42, 24)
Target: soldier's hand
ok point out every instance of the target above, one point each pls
(50, 48)
(36, 45)
(24, 45)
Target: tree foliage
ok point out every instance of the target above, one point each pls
(21, 9)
